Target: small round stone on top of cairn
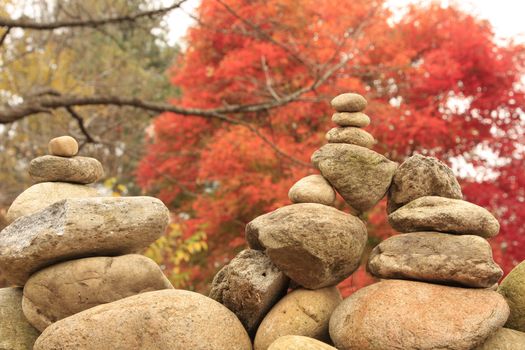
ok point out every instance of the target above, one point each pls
(63, 146)
(350, 121)
(63, 165)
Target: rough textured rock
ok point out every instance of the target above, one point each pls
(301, 312)
(83, 170)
(436, 258)
(356, 119)
(77, 228)
(64, 146)
(73, 286)
(313, 244)
(395, 314)
(298, 342)
(361, 176)
(421, 176)
(444, 215)
(312, 189)
(351, 135)
(15, 332)
(349, 102)
(249, 286)
(505, 339)
(39, 196)
(513, 289)
(160, 320)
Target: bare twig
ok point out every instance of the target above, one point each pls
(92, 22)
(4, 35)
(81, 124)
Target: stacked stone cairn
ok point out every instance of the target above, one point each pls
(73, 252)
(437, 278)
(84, 287)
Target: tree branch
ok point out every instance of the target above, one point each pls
(81, 124)
(4, 35)
(30, 24)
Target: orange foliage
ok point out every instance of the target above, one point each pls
(436, 81)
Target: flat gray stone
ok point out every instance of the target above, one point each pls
(83, 170)
(313, 244)
(43, 194)
(436, 258)
(15, 332)
(356, 119)
(312, 189)
(68, 288)
(349, 102)
(249, 286)
(351, 135)
(78, 228)
(361, 176)
(442, 214)
(421, 176)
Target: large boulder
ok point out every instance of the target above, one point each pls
(160, 320)
(77, 228)
(420, 176)
(249, 286)
(361, 176)
(15, 332)
(513, 289)
(505, 339)
(313, 244)
(395, 314)
(43, 194)
(299, 342)
(301, 312)
(444, 215)
(83, 170)
(436, 257)
(68, 288)
(312, 189)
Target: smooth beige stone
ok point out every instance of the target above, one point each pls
(421, 176)
(349, 102)
(351, 135)
(505, 339)
(68, 288)
(161, 320)
(299, 342)
(77, 228)
(361, 176)
(82, 170)
(357, 119)
(63, 146)
(436, 258)
(313, 244)
(312, 189)
(395, 314)
(513, 289)
(43, 194)
(444, 215)
(249, 286)
(301, 312)
(15, 332)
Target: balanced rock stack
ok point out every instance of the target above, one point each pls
(438, 277)
(309, 245)
(73, 252)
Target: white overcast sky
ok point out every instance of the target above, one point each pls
(506, 16)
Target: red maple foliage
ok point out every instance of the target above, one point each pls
(437, 82)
